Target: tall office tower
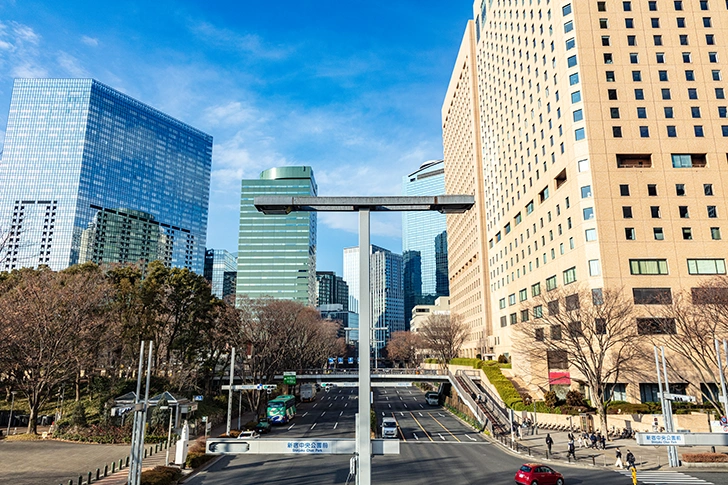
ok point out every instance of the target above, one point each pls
(277, 253)
(387, 295)
(90, 174)
(467, 252)
(331, 290)
(602, 137)
(218, 264)
(420, 231)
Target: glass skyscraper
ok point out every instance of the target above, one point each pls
(90, 174)
(424, 240)
(220, 267)
(277, 253)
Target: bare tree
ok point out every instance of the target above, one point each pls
(444, 335)
(47, 318)
(404, 347)
(590, 331)
(695, 317)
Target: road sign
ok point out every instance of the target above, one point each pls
(331, 360)
(198, 398)
(204, 419)
(351, 360)
(289, 378)
(341, 360)
(243, 387)
(663, 439)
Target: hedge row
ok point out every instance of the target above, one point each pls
(161, 475)
(502, 384)
(705, 457)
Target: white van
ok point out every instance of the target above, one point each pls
(389, 428)
(432, 398)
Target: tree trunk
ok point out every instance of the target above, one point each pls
(33, 403)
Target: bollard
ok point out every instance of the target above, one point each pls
(127, 461)
(145, 453)
(594, 460)
(88, 478)
(80, 480)
(529, 450)
(113, 467)
(98, 474)
(70, 482)
(106, 470)
(548, 455)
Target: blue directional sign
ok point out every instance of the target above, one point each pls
(341, 360)
(331, 360)
(351, 360)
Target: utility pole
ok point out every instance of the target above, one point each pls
(230, 391)
(724, 395)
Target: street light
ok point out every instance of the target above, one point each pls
(169, 432)
(283, 205)
(10, 419)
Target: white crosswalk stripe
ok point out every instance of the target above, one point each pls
(665, 477)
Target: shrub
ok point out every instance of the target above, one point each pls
(198, 446)
(78, 418)
(250, 425)
(628, 408)
(526, 398)
(575, 398)
(161, 475)
(551, 399)
(502, 359)
(502, 384)
(197, 459)
(705, 457)
(464, 361)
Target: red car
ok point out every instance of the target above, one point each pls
(536, 474)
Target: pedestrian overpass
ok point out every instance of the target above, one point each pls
(377, 375)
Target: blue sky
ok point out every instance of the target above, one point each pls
(351, 88)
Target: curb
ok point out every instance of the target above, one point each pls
(201, 469)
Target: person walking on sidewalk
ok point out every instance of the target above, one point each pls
(630, 460)
(549, 442)
(571, 451)
(618, 463)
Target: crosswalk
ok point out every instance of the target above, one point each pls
(665, 477)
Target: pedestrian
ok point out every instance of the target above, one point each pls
(630, 460)
(593, 439)
(571, 451)
(618, 463)
(549, 442)
(580, 440)
(603, 440)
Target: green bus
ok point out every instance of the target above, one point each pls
(281, 409)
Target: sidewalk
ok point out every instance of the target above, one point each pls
(157, 459)
(647, 457)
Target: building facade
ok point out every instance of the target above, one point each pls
(331, 290)
(91, 174)
(277, 253)
(220, 267)
(423, 233)
(387, 290)
(596, 131)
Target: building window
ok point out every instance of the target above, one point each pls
(641, 112)
(713, 57)
(627, 212)
(570, 275)
(655, 211)
(687, 233)
(586, 191)
(719, 93)
(715, 233)
(658, 233)
(704, 5)
(538, 311)
(617, 131)
(723, 111)
(629, 233)
(571, 61)
(636, 76)
(590, 234)
(687, 57)
(597, 296)
(536, 289)
(504, 321)
(579, 134)
(601, 6)
(514, 318)
(683, 210)
(684, 40)
(523, 294)
(524, 315)
(603, 24)
(671, 131)
(652, 190)
(692, 93)
(539, 333)
(511, 299)
(588, 213)
(688, 160)
(605, 41)
(707, 22)
(680, 22)
(655, 326)
(657, 40)
(680, 190)
(639, 94)
(634, 58)
(710, 39)
(715, 73)
(583, 165)
(502, 303)
(551, 283)
(695, 111)
(594, 267)
(624, 190)
(612, 94)
(690, 75)
(570, 43)
(614, 113)
(698, 129)
(678, 4)
(668, 112)
(629, 23)
(665, 93)
(655, 22)
(708, 189)
(652, 296)
(644, 131)
(573, 78)
(576, 96)
(662, 75)
(556, 335)
(609, 75)
(712, 212)
(648, 266)
(631, 40)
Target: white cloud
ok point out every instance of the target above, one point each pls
(71, 65)
(19, 55)
(231, 40)
(90, 41)
(231, 114)
(28, 69)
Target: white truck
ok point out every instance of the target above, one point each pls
(432, 398)
(308, 392)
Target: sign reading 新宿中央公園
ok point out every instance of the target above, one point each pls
(309, 447)
(664, 439)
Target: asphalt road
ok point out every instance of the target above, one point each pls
(436, 448)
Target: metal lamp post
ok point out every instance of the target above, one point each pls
(283, 205)
(10, 419)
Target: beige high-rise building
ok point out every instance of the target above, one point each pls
(594, 137)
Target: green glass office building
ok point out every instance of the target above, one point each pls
(277, 253)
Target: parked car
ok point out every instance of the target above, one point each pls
(248, 435)
(538, 474)
(263, 425)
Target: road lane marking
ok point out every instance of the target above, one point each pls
(323, 413)
(441, 436)
(313, 425)
(346, 404)
(387, 397)
(443, 427)
(304, 414)
(420, 414)
(423, 407)
(405, 404)
(331, 404)
(291, 426)
(421, 427)
(336, 424)
(415, 435)
(383, 413)
(441, 415)
(470, 438)
(401, 433)
(389, 405)
(401, 414)
(314, 405)
(342, 412)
